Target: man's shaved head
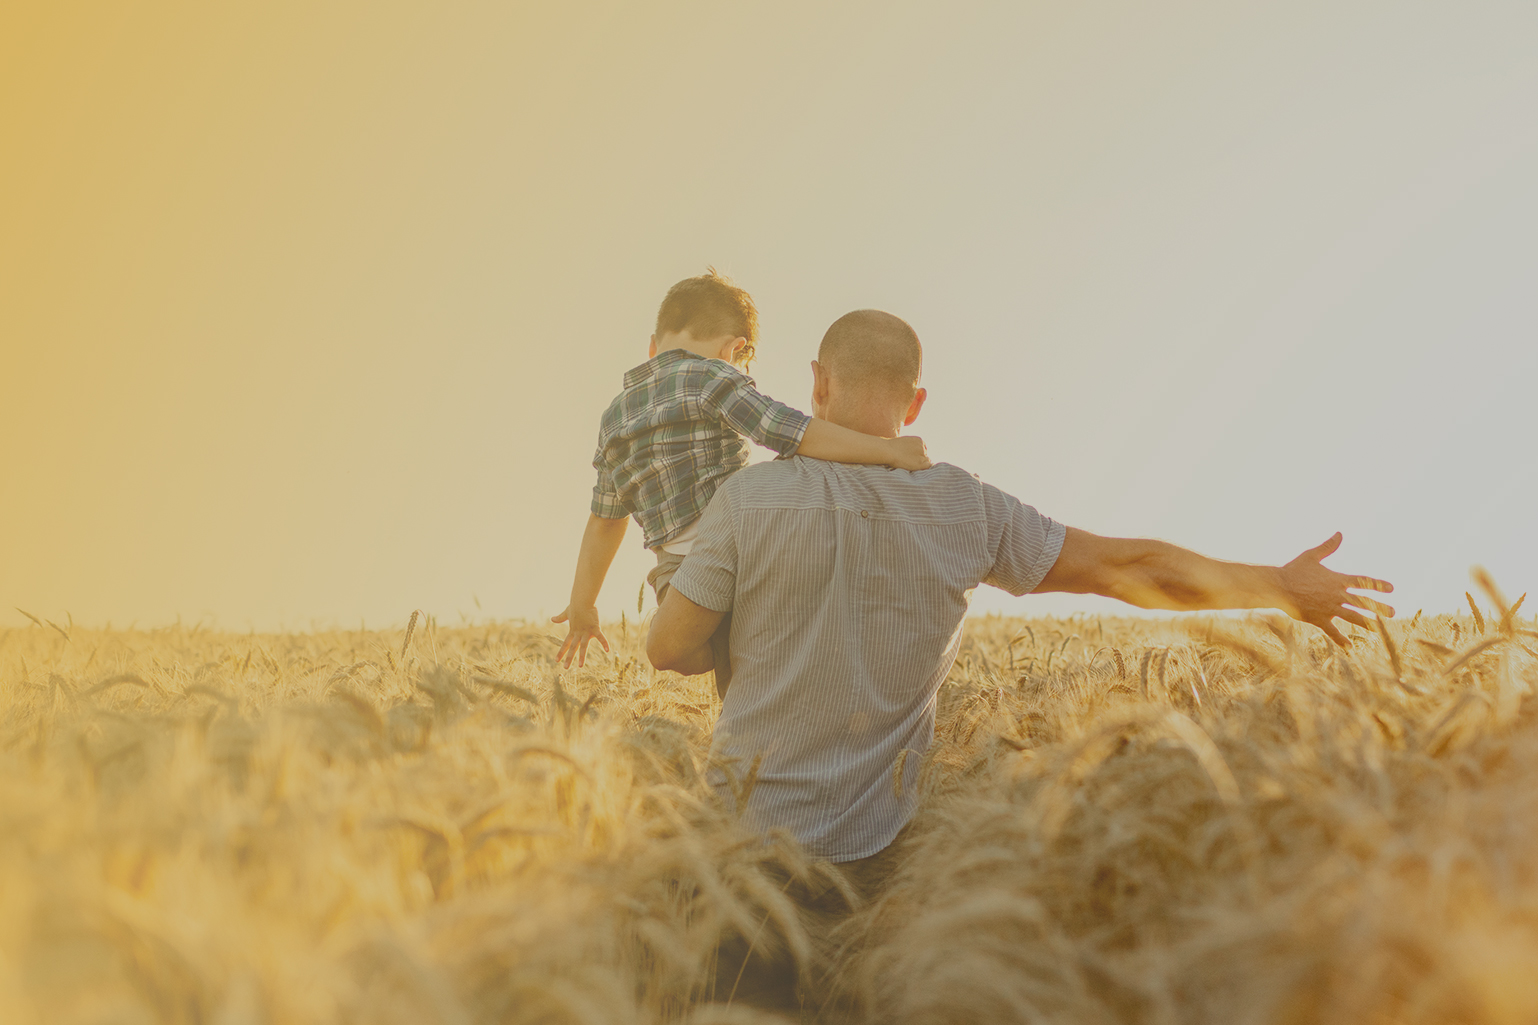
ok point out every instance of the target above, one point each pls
(873, 352)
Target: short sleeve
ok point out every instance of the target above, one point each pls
(606, 500)
(731, 397)
(708, 576)
(1024, 543)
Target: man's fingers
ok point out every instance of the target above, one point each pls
(1354, 618)
(1371, 584)
(1334, 634)
(1371, 605)
(602, 640)
(559, 617)
(1325, 550)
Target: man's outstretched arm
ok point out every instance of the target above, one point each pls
(1158, 575)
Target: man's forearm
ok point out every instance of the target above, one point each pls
(691, 662)
(600, 543)
(1159, 575)
(679, 639)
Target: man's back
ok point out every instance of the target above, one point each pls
(848, 586)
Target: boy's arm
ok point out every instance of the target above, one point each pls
(824, 440)
(600, 542)
(788, 431)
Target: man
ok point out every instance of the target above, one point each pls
(848, 586)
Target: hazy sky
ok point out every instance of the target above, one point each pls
(308, 310)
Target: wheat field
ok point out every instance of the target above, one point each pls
(1122, 820)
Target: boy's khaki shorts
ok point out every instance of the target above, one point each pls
(667, 565)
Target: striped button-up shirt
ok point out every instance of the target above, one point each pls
(847, 587)
(680, 426)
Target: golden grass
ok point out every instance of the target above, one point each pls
(1202, 820)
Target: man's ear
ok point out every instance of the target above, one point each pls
(914, 406)
(819, 388)
(651, 350)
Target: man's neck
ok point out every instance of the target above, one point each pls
(873, 422)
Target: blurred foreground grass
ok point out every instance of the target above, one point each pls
(1202, 820)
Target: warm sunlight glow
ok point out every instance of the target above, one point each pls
(308, 313)
(321, 702)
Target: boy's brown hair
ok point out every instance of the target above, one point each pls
(710, 306)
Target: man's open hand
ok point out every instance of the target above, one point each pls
(1319, 596)
(583, 629)
(910, 453)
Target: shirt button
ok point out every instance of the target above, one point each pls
(864, 514)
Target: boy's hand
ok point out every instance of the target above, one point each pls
(910, 454)
(583, 628)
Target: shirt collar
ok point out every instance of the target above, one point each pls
(658, 363)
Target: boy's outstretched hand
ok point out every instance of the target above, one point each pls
(910, 453)
(583, 628)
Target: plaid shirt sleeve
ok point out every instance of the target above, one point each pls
(731, 397)
(606, 503)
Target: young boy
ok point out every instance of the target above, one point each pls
(678, 428)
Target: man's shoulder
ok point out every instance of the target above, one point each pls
(948, 472)
(779, 478)
(807, 466)
(771, 473)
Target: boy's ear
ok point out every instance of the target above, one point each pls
(914, 406)
(651, 350)
(731, 347)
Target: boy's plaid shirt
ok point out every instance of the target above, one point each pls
(677, 431)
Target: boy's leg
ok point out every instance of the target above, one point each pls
(662, 573)
(721, 649)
